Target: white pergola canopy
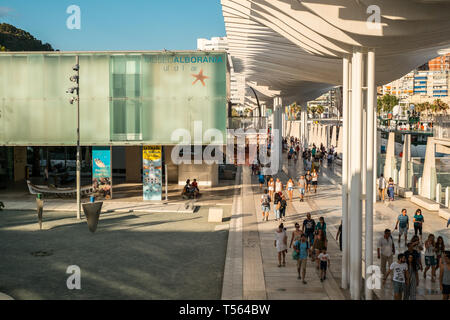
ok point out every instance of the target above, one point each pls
(294, 48)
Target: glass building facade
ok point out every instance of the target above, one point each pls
(132, 98)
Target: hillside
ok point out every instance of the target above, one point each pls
(14, 39)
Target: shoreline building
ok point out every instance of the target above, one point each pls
(422, 85)
(128, 101)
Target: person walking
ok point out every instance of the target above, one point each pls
(321, 225)
(281, 245)
(381, 186)
(309, 225)
(402, 225)
(440, 249)
(412, 276)
(444, 276)
(302, 250)
(261, 178)
(308, 179)
(412, 252)
(390, 189)
(415, 248)
(314, 180)
(302, 188)
(399, 270)
(339, 236)
(386, 250)
(320, 243)
(276, 206)
(265, 205)
(296, 234)
(430, 257)
(282, 207)
(324, 259)
(278, 186)
(290, 189)
(271, 185)
(418, 223)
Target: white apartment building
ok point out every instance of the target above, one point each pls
(220, 43)
(420, 86)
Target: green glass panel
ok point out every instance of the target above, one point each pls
(137, 97)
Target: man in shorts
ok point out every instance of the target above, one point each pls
(265, 205)
(403, 226)
(399, 279)
(309, 226)
(381, 186)
(302, 249)
(302, 187)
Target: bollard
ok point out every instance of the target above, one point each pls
(40, 208)
(438, 193)
(92, 212)
(447, 195)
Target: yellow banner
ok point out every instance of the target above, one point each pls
(152, 152)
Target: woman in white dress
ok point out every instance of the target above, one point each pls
(278, 186)
(271, 185)
(281, 245)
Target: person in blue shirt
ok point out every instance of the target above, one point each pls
(402, 225)
(261, 178)
(418, 223)
(321, 225)
(301, 252)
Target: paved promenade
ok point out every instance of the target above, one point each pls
(262, 278)
(257, 275)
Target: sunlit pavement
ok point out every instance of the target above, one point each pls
(131, 256)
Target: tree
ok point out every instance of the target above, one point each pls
(320, 109)
(15, 39)
(312, 110)
(440, 105)
(387, 103)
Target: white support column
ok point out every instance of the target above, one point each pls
(406, 158)
(390, 162)
(371, 103)
(429, 170)
(343, 137)
(356, 187)
(334, 136)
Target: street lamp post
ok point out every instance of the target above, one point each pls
(76, 90)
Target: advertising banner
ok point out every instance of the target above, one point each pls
(152, 171)
(101, 171)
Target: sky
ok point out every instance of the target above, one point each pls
(118, 24)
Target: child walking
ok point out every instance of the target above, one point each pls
(324, 259)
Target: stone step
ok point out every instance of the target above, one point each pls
(423, 202)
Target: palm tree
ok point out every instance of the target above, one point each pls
(320, 109)
(312, 110)
(387, 103)
(440, 105)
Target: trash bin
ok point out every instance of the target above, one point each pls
(40, 208)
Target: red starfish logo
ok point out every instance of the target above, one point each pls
(199, 77)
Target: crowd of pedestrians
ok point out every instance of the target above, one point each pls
(405, 271)
(309, 239)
